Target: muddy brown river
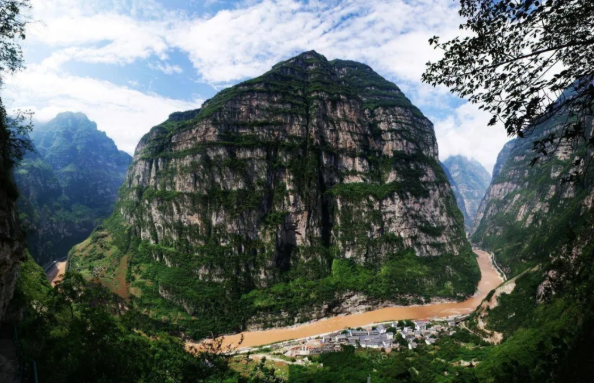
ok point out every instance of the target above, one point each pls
(489, 280)
(56, 273)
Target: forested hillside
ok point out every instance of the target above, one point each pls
(68, 183)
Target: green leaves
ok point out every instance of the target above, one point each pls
(525, 62)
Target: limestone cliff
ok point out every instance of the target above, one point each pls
(540, 226)
(68, 184)
(502, 157)
(318, 171)
(456, 191)
(528, 212)
(470, 181)
(11, 246)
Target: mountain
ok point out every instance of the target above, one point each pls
(540, 228)
(526, 210)
(312, 190)
(456, 191)
(470, 180)
(502, 157)
(68, 184)
(88, 164)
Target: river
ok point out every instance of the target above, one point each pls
(490, 279)
(56, 273)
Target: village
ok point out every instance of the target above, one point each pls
(387, 337)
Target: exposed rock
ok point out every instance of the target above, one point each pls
(12, 251)
(469, 181)
(281, 178)
(502, 157)
(529, 212)
(330, 161)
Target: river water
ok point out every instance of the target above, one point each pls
(489, 280)
(56, 273)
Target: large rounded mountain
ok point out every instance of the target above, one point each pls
(312, 190)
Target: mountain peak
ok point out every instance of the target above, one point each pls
(469, 181)
(71, 120)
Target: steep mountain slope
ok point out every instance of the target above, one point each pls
(12, 251)
(88, 164)
(456, 191)
(540, 229)
(528, 210)
(471, 180)
(68, 185)
(502, 158)
(316, 181)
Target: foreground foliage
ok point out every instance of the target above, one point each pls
(79, 332)
(524, 62)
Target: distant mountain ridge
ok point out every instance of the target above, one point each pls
(68, 184)
(470, 181)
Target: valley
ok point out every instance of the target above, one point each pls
(257, 211)
(56, 272)
(490, 279)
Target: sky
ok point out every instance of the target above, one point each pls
(128, 64)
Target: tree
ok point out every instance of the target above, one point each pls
(525, 62)
(71, 333)
(14, 142)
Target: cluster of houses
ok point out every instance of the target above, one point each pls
(388, 336)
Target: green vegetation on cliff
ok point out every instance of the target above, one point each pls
(67, 184)
(279, 197)
(529, 215)
(540, 229)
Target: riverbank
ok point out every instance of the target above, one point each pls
(490, 279)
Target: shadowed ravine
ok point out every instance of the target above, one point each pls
(489, 280)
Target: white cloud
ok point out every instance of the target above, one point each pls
(245, 41)
(166, 68)
(124, 114)
(391, 36)
(466, 132)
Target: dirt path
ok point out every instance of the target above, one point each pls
(270, 357)
(490, 279)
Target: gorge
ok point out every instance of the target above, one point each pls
(490, 279)
(285, 216)
(469, 180)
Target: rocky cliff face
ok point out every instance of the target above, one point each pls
(541, 231)
(471, 180)
(456, 191)
(309, 171)
(12, 251)
(528, 212)
(502, 158)
(68, 185)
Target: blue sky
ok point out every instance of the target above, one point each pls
(128, 64)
